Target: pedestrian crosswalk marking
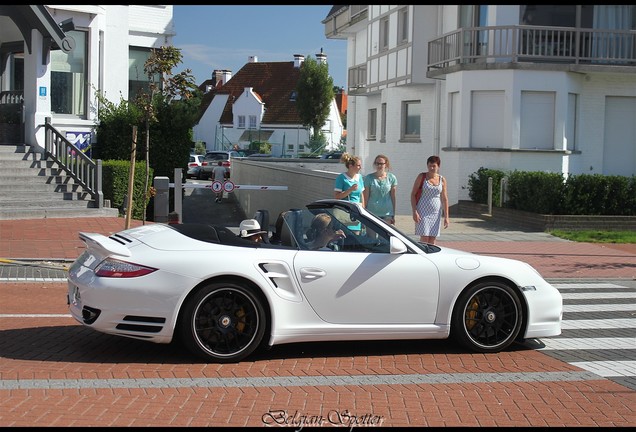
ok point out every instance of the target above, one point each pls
(585, 285)
(599, 295)
(588, 343)
(598, 324)
(617, 307)
(608, 357)
(609, 368)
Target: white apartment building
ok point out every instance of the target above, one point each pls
(56, 57)
(510, 87)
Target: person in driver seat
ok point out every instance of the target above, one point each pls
(251, 230)
(321, 232)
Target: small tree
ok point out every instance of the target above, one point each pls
(314, 96)
(164, 88)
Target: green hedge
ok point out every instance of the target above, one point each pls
(551, 193)
(478, 185)
(115, 174)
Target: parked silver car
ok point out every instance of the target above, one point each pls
(194, 166)
(212, 158)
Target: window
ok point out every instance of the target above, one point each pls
(570, 126)
(384, 34)
(137, 79)
(252, 122)
(487, 114)
(403, 26)
(474, 16)
(68, 77)
(411, 120)
(371, 124)
(537, 120)
(383, 122)
(327, 126)
(241, 122)
(548, 15)
(455, 124)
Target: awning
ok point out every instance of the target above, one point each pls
(255, 135)
(23, 19)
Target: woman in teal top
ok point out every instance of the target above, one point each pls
(380, 189)
(350, 184)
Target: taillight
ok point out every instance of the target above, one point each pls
(204, 163)
(121, 269)
(226, 163)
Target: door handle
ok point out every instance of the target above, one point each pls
(311, 273)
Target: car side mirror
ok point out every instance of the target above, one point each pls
(397, 246)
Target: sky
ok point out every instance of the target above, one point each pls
(224, 37)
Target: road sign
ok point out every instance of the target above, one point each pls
(217, 186)
(228, 186)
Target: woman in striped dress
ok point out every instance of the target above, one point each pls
(429, 208)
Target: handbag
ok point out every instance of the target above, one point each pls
(418, 194)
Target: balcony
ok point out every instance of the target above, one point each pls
(346, 21)
(554, 48)
(357, 80)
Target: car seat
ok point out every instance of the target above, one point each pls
(262, 217)
(288, 230)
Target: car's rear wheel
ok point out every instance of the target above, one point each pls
(223, 322)
(487, 317)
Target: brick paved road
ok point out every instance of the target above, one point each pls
(54, 372)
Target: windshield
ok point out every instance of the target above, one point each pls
(428, 248)
(339, 228)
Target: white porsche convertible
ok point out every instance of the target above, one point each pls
(225, 297)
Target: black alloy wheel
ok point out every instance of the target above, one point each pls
(487, 317)
(223, 322)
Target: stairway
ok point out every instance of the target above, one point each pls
(32, 187)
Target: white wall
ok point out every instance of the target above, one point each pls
(111, 31)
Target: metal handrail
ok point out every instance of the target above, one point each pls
(81, 168)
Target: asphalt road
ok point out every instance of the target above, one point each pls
(199, 206)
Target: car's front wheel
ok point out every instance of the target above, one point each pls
(487, 317)
(223, 322)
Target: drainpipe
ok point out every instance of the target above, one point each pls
(438, 93)
(437, 114)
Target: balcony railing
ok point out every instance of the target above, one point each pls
(532, 44)
(357, 79)
(11, 97)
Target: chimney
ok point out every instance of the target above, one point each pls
(252, 59)
(219, 78)
(298, 60)
(321, 58)
(227, 74)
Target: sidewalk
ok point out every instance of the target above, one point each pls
(57, 239)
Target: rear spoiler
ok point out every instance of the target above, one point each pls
(105, 245)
